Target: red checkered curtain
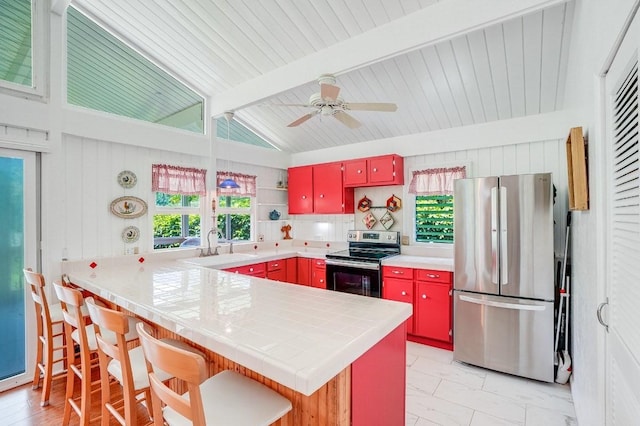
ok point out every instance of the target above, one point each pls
(178, 180)
(438, 181)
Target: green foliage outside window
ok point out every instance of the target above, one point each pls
(174, 223)
(234, 218)
(434, 218)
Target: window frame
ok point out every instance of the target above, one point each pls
(226, 211)
(183, 211)
(39, 56)
(412, 199)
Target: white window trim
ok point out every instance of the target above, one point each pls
(410, 228)
(252, 211)
(39, 55)
(158, 210)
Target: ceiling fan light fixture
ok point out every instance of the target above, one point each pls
(326, 110)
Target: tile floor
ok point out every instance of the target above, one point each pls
(443, 392)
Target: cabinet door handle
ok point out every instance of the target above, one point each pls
(250, 269)
(398, 272)
(321, 195)
(424, 296)
(275, 265)
(304, 197)
(433, 275)
(404, 293)
(375, 169)
(450, 292)
(359, 171)
(321, 280)
(599, 314)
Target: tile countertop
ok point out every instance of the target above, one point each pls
(420, 262)
(298, 336)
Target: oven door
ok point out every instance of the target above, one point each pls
(354, 277)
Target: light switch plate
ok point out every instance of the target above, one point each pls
(405, 240)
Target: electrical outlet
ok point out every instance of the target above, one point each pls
(131, 250)
(405, 240)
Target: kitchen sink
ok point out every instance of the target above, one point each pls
(221, 259)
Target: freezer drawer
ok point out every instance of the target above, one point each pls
(505, 334)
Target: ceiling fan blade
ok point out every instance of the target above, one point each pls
(302, 119)
(371, 106)
(329, 92)
(286, 105)
(347, 120)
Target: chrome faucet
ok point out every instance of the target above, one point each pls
(209, 253)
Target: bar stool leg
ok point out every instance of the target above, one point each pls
(39, 350)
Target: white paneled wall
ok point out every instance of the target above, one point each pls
(534, 157)
(81, 184)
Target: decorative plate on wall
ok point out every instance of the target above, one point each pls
(128, 207)
(127, 179)
(130, 234)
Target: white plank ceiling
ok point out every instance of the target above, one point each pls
(509, 68)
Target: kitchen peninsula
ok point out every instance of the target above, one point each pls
(339, 358)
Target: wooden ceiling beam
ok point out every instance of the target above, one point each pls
(441, 21)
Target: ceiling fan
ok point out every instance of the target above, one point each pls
(328, 103)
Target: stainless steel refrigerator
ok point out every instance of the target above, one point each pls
(504, 280)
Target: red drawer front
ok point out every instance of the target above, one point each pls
(397, 272)
(319, 263)
(433, 275)
(256, 270)
(275, 265)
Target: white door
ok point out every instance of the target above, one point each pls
(622, 313)
(18, 244)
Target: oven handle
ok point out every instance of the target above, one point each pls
(349, 263)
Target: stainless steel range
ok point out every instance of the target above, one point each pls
(357, 270)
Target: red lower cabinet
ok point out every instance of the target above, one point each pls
(433, 311)
(304, 271)
(318, 273)
(277, 270)
(292, 270)
(256, 270)
(398, 285)
(430, 292)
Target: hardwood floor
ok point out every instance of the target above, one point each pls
(21, 406)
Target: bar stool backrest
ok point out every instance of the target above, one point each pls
(184, 365)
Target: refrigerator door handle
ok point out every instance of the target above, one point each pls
(494, 235)
(504, 245)
(504, 305)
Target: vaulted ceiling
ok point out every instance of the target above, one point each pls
(445, 63)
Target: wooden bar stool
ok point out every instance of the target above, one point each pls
(76, 333)
(48, 317)
(228, 398)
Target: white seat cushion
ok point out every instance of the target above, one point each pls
(139, 366)
(231, 399)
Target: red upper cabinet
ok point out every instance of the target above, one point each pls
(374, 171)
(386, 170)
(319, 189)
(355, 172)
(329, 196)
(300, 189)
